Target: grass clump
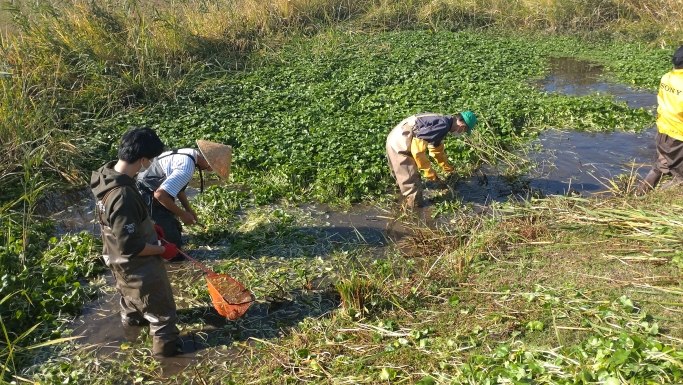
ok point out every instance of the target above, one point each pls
(41, 285)
(357, 294)
(554, 290)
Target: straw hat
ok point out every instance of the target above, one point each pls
(218, 155)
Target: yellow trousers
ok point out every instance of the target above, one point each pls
(418, 147)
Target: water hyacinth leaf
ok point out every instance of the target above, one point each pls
(620, 356)
(284, 115)
(535, 325)
(503, 351)
(426, 381)
(387, 374)
(454, 300)
(651, 329)
(627, 303)
(529, 296)
(536, 368)
(303, 353)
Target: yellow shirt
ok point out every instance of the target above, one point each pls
(670, 105)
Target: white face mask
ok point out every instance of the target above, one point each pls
(142, 166)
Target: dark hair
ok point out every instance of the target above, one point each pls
(677, 59)
(140, 142)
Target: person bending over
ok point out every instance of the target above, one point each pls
(415, 135)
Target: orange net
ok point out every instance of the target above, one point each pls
(229, 297)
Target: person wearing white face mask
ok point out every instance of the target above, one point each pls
(412, 138)
(130, 242)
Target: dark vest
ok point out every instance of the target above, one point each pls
(149, 180)
(432, 127)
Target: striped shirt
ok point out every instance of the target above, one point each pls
(179, 170)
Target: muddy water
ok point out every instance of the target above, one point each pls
(570, 161)
(99, 327)
(71, 211)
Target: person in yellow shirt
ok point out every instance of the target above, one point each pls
(669, 138)
(410, 140)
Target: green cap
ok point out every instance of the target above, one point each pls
(470, 119)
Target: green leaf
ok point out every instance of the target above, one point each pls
(387, 374)
(620, 356)
(426, 381)
(454, 300)
(535, 325)
(627, 303)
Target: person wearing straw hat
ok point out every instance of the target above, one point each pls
(166, 180)
(415, 135)
(130, 243)
(669, 137)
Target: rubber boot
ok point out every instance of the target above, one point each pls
(165, 345)
(133, 320)
(414, 201)
(649, 183)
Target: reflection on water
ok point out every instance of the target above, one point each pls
(70, 210)
(586, 161)
(571, 161)
(578, 77)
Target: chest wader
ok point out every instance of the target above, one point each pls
(146, 294)
(148, 182)
(402, 164)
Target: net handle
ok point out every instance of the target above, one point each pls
(206, 269)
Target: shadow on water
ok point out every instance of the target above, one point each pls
(100, 328)
(569, 161)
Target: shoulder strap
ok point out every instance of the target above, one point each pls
(426, 114)
(175, 152)
(100, 205)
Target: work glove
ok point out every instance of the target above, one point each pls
(160, 231)
(170, 251)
